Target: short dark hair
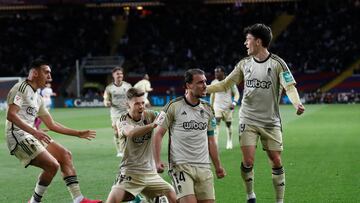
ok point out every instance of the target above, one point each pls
(189, 75)
(260, 31)
(37, 63)
(221, 68)
(117, 68)
(134, 92)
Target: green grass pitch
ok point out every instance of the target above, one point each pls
(321, 159)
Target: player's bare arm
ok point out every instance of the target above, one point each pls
(293, 95)
(159, 134)
(214, 155)
(59, 128)
(107, 101)
(14, 118)
(235, 77)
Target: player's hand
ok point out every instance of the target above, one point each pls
(108, 103)
(220, 172)
(160, 167)
(300, 109)
(87, 134)
(42, 136)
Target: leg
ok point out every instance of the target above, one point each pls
(247, 171)
(116, 195)
(50, 167)
(171, 196)
(217, 130)
(229, 135)
(272, 143)
(206, 201)
(117, 141)
(248, 139)
(278, 174)
(64, 157)
(188, 199)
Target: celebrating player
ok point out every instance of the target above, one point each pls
(137, 169)
(35, 147)
(265, 75)
(191, 122)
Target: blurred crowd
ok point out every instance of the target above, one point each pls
(318, 97)
(166, 40)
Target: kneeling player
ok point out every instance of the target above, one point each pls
(137, 169)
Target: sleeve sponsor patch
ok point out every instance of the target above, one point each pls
(287, 77)
(18, 100)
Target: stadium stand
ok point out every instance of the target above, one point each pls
(165, 40)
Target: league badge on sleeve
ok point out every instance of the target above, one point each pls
(160, 118)
(287, 77)
(18, 100)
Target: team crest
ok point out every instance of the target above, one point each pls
(202, 112)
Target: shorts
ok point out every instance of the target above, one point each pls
(27, 150)
(224, 115)
(150, 185)
(192, 180)
(271, 138)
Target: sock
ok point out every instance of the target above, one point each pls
(217, 133)
(247, 173)
(278, 177)
(38, 193)
(73, 186)
(229, 134)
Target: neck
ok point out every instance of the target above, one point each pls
(262, 54)
(135, 116)
(191, 99)
(118, 83)
(32, 83)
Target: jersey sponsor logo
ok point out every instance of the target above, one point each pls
(193, 125)
(31, 111)
(255, 83)
(142, 139)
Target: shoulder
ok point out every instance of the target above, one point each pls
(206, 104)
(109, 86)
(172, 103)
(243, 61)
(279, 61)
(22, 87)
(126, 84)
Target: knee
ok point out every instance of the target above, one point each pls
(248, 161)
(276, 161)
(53, 167)
(66, 157)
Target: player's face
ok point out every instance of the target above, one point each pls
(137, 105)
(252, 44)
(198, 86)
(219, 74)
(118, 76)
(43, 76)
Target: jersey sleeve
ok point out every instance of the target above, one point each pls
(235, 77)
(169, 110)
(15, 97)
(286, 78)
(121, 123)
(107, 94)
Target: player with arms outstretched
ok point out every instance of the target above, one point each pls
(34, 147)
